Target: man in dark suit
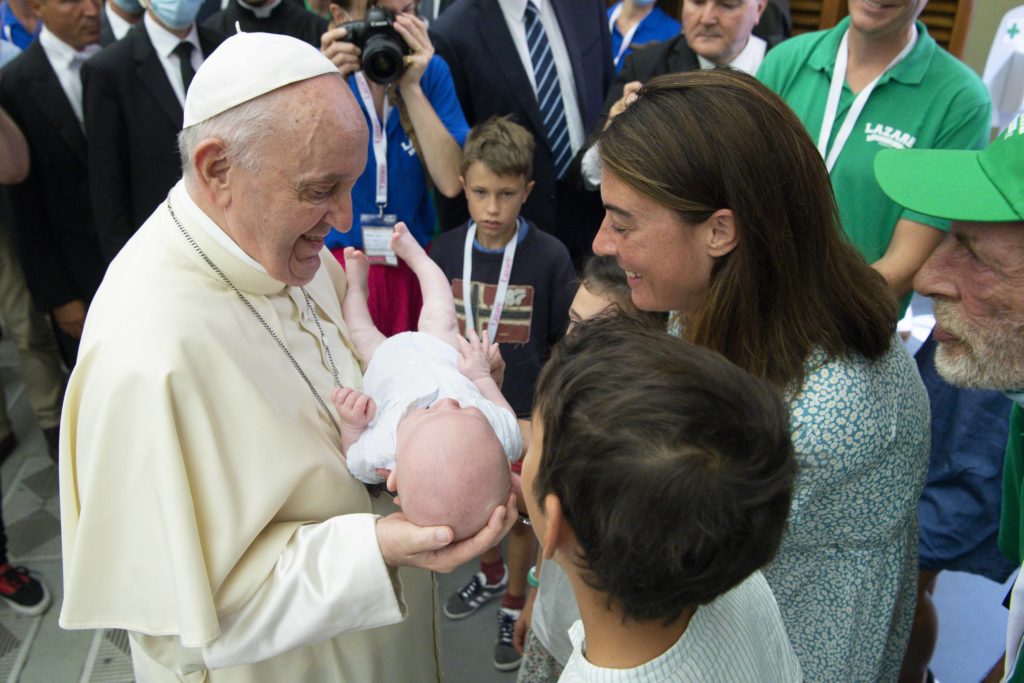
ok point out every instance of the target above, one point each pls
(483, 42)
(51, 212)
(134, 99)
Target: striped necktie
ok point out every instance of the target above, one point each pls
(549, 93)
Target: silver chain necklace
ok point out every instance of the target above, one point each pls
(266, 326)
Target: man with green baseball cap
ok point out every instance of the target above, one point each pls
(976, 280)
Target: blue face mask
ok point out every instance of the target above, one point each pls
(129, 6)
(176, 14)
(644, 3)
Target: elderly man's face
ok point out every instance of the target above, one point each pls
(718, 30)
(976, 278)
(280, 214)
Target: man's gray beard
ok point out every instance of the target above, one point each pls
(992, 358)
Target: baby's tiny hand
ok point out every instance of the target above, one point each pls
(355, 408)
(475, 357)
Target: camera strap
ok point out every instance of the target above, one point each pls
(380, 138)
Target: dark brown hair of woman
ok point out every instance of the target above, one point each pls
(706, 140)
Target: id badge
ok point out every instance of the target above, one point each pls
(377, 232)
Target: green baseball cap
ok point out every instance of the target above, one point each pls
(959, 185)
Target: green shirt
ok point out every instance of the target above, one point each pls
(1010, 539)
(930, 100)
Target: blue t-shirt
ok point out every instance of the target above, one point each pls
(654, 28)
(13, 31)
(408, 196)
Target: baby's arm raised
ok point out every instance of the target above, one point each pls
(475, 357)
(355, 410)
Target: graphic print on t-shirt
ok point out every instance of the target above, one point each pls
(514, 326)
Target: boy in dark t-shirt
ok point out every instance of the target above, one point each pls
(515, 282)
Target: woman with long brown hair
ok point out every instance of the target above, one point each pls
(719, 208)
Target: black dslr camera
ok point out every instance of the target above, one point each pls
(384, 51)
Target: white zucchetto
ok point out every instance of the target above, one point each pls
(248, 65)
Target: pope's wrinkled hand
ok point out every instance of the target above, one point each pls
(402, 543)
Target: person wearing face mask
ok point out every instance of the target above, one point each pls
(637, 23)
(117, 19)
(134, 93)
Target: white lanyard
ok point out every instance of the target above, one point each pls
(835, 91)
(626, 39)
(380, 138)
(503, 278)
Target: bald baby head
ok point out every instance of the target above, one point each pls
(451, 470)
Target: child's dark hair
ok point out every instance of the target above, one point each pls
(602, 276)
(502, 145)
(673, 466)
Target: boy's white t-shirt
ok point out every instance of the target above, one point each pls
(738, 637)
(414, 370)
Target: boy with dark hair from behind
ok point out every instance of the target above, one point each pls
(659, 477)
(516, 284)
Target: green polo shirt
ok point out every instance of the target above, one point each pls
(930, 100)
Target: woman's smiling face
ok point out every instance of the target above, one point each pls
(666, 262)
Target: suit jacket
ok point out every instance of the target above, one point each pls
(670, 56)
(490, 79)
(107, 36)
(132, 119)
(51, 215)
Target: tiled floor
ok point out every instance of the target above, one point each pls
(36, 650)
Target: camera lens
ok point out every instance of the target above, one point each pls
(383, 61)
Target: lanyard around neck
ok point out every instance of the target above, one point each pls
(835, 92)
(627, 39)
(503, 279)
(380, 138)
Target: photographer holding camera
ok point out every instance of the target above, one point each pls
(417, 129)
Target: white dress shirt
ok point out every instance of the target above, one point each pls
(118, 25)
(67, 64)
(748, 61)
(164, 43)
(515, 12)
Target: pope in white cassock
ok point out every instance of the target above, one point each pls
(205, 505)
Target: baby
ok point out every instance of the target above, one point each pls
(432, 420)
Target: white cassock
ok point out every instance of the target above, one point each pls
(1004, 69)
(205, 504)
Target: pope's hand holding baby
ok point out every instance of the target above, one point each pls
(402, 543)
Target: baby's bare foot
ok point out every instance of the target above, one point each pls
(357, 269)
(405, 245)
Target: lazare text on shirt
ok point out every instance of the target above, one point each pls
(888, 136)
